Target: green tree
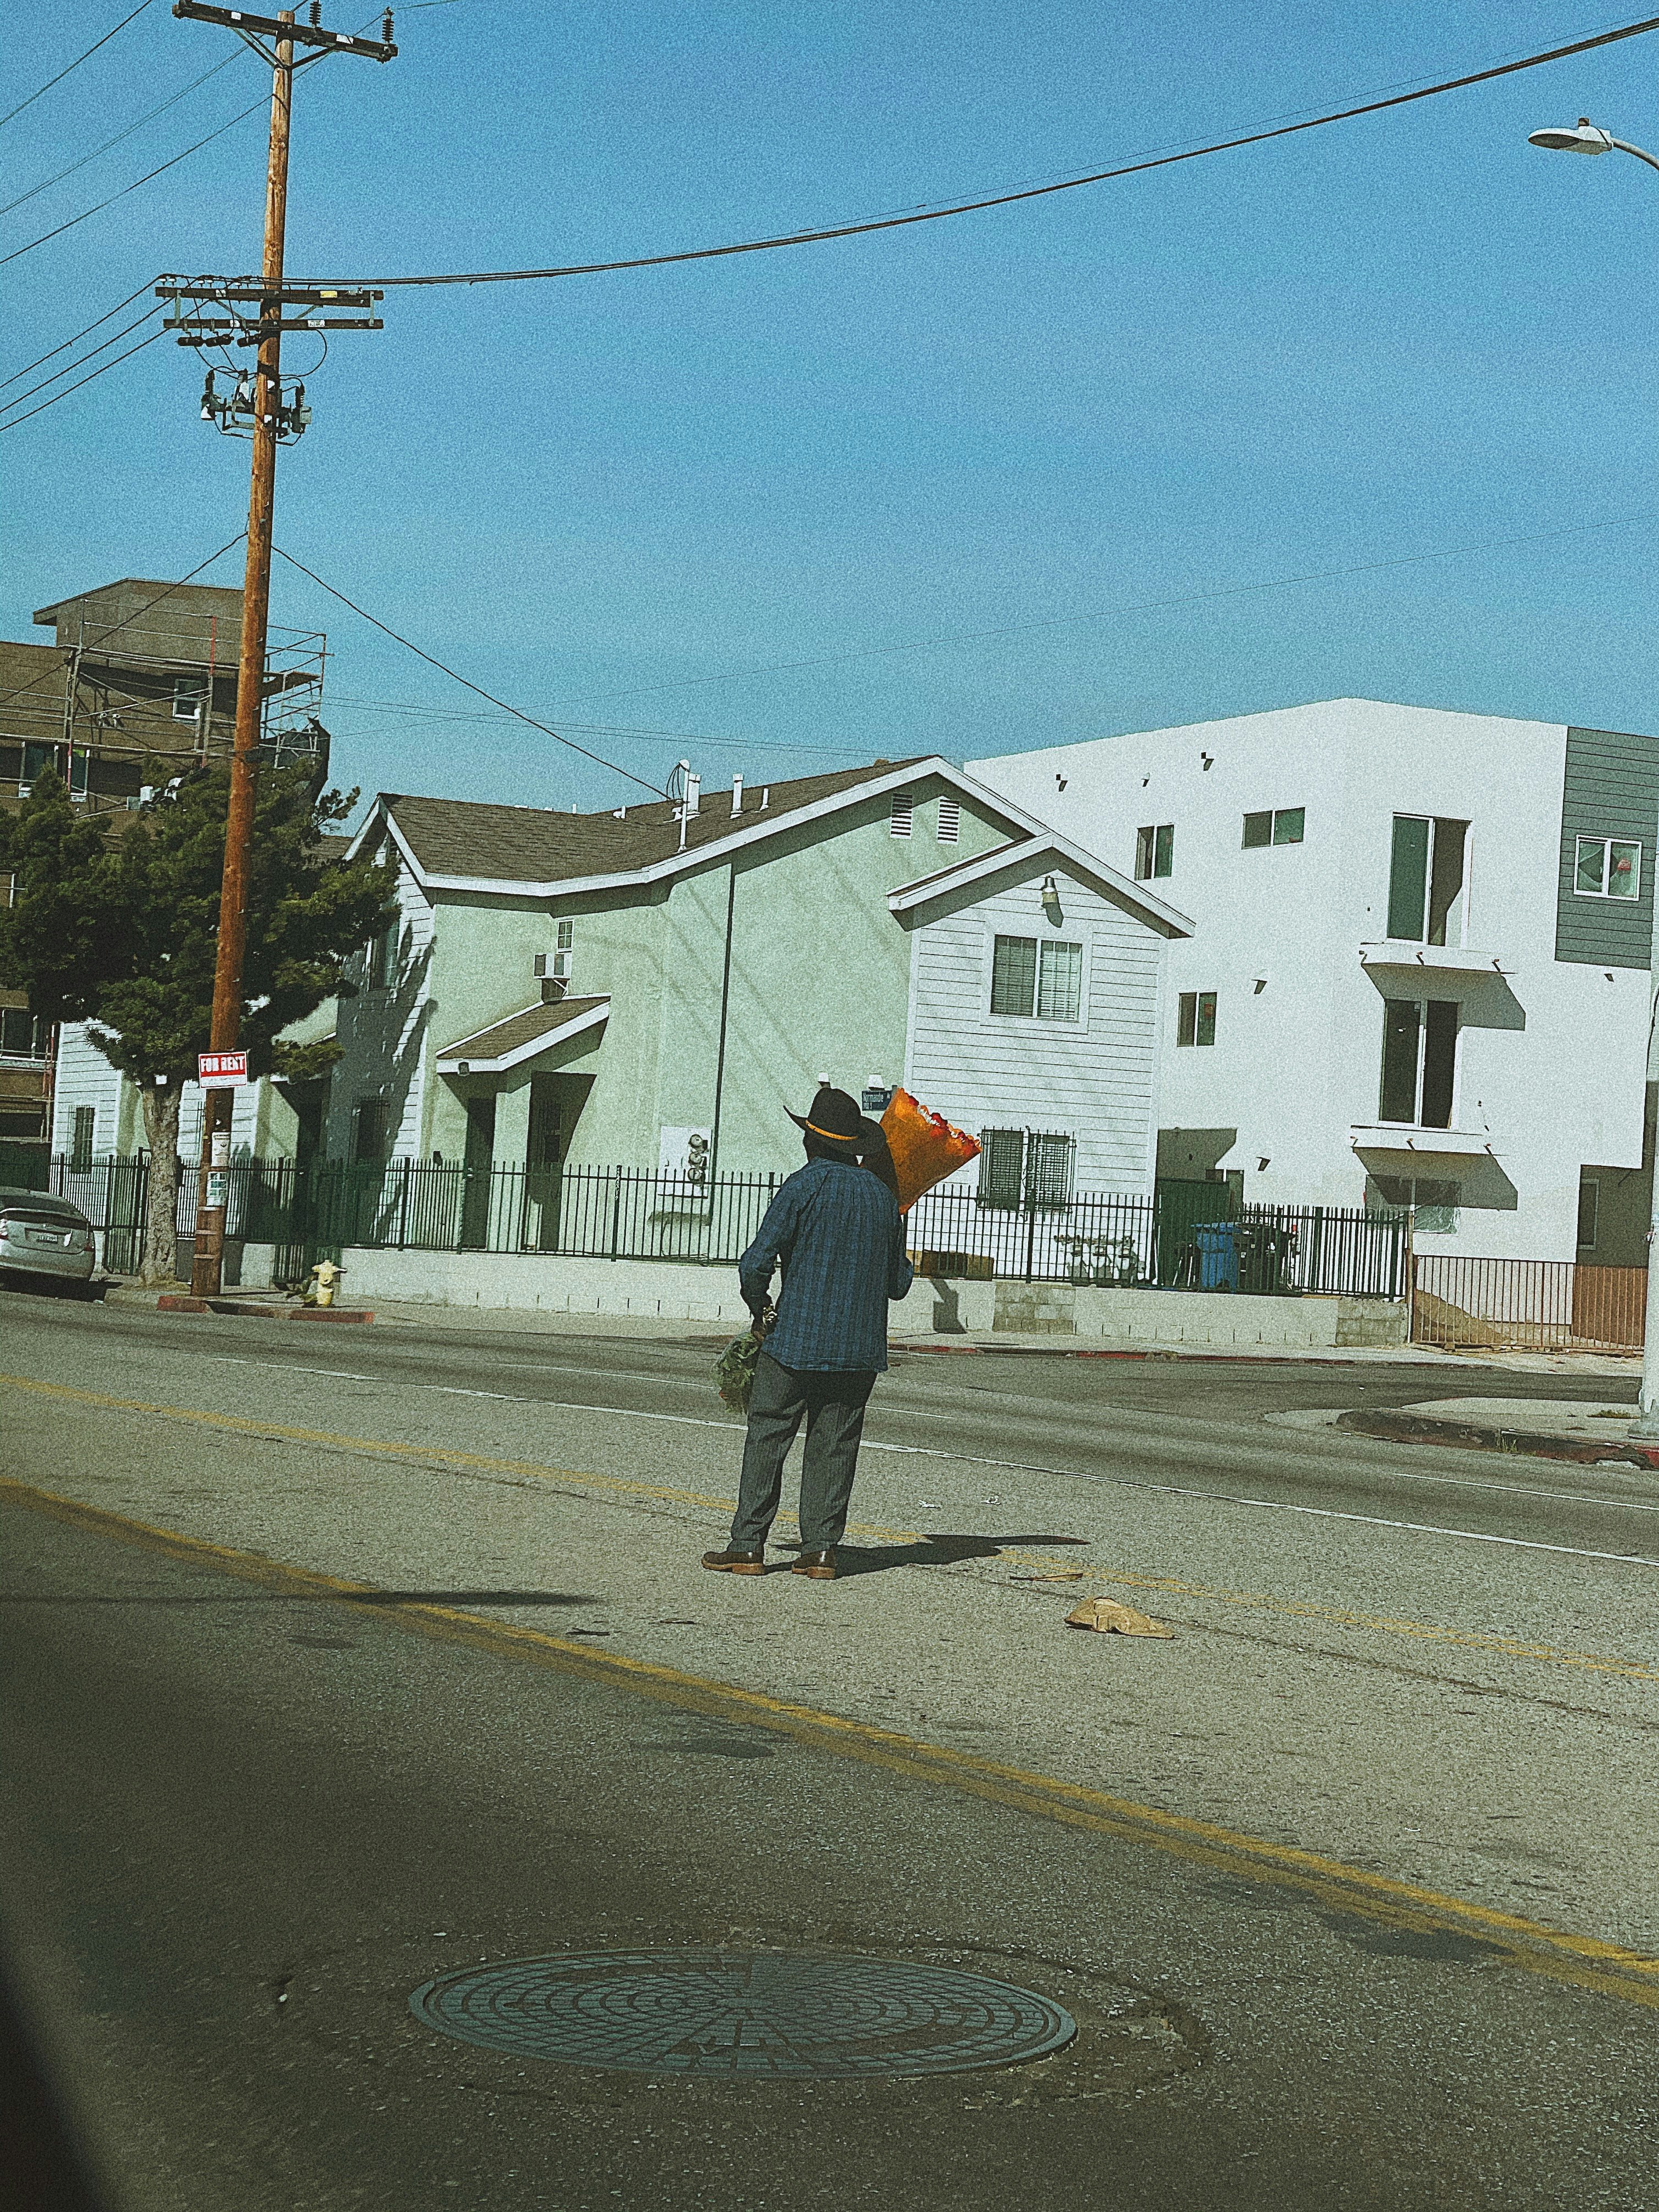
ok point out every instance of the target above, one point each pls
(115, 923)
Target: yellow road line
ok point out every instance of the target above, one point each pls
(1504, 1647)
(1585, 1961)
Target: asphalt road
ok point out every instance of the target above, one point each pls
(329, 1665)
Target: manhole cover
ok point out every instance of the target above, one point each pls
(737, 2012)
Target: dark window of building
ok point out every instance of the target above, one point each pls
(86, 1122)
(1275, 825)
(1195, 1018)
(1014, 975)
(1154, 851)
(1426, 879)
(1431, 1202)
(368, 1129)
(1419, 1061)
(1048, 1165)
(22, 1035)
(1001, 1166)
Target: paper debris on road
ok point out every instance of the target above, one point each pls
(1112, 1619)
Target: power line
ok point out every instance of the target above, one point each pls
(35, 190)
(79, 335)
(18, 421)
(433, 661)
(344, 701)
(1029, 192)
(1144, 606)
(75, 65)
(70, 367)
(18, 251)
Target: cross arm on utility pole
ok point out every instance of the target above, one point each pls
(302, 34)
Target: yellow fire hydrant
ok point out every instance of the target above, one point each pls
(319, 1290)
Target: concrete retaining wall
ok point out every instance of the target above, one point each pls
(674, 1291)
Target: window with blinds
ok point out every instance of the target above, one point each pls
(1042, 981)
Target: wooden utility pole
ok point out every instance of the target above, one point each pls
(208, 1263)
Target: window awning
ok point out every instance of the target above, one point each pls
(1421, 1144)
(1425, 962)
(521, 1036)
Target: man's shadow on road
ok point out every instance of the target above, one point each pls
(934, 1551)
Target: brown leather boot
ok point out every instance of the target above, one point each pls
(732, 1561)
(820, 1566)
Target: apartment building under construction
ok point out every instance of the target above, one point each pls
(138, 686)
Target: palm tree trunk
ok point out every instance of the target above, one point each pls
(161, 1101)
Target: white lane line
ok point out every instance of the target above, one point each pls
(282, 1367)
(1158, 1489)
(507, 1397)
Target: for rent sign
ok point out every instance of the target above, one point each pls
(221, 1071)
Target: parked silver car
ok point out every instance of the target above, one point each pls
(40, 1235)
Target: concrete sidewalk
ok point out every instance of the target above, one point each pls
(519, 1321)
(1544, 1428)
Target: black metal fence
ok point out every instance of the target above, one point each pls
(1183, 1236)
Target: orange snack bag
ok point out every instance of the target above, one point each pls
(925, 1147)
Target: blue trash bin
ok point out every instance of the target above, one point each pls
(1218, 1254)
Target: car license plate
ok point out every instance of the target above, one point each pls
(46, 1236)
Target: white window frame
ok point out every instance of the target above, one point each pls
(997, 1025)
(1631, 898)
(189, 698)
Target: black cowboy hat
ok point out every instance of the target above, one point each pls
(836, 1119)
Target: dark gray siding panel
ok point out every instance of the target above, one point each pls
(1611, 789)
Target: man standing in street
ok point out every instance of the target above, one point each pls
(835, 1229)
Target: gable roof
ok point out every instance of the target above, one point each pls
(1028, 854)
(458, 844)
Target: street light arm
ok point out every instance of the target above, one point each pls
(1624, 146)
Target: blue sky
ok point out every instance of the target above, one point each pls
(993, 483)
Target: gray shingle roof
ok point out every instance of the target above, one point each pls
(533, 844)
(520, 1029)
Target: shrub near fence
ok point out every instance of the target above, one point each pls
(320, 1208)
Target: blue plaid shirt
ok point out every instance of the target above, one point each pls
(836, 1229)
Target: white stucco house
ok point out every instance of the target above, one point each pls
(1418, 972)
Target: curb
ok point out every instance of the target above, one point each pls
(247, 1312)
(1534, 1443)
(1152, 1351)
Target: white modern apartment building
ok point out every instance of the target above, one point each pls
(1418, 973)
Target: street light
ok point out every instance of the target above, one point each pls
(1586, 138)
(1589, 138)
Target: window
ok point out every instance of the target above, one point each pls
(1030, 1168)
(188, 694)
(1002, 1164)
(1426, 872)
(1042, 980)
(368, 1130)
(1608, 867)
(1195, 1018)
(1432, 1203)
(381, 959)
(1420, 1058)
(1275, 825)
(949, 821)
(22, 1035)
(1590, 1207)
(1154, 851)
(900, 819)
(86, 1122)
(557, 963)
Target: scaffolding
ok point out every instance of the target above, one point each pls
(166, 696)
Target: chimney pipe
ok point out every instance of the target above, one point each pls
(693, 796)
(737, 797)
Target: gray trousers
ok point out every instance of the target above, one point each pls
(833, 1403)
